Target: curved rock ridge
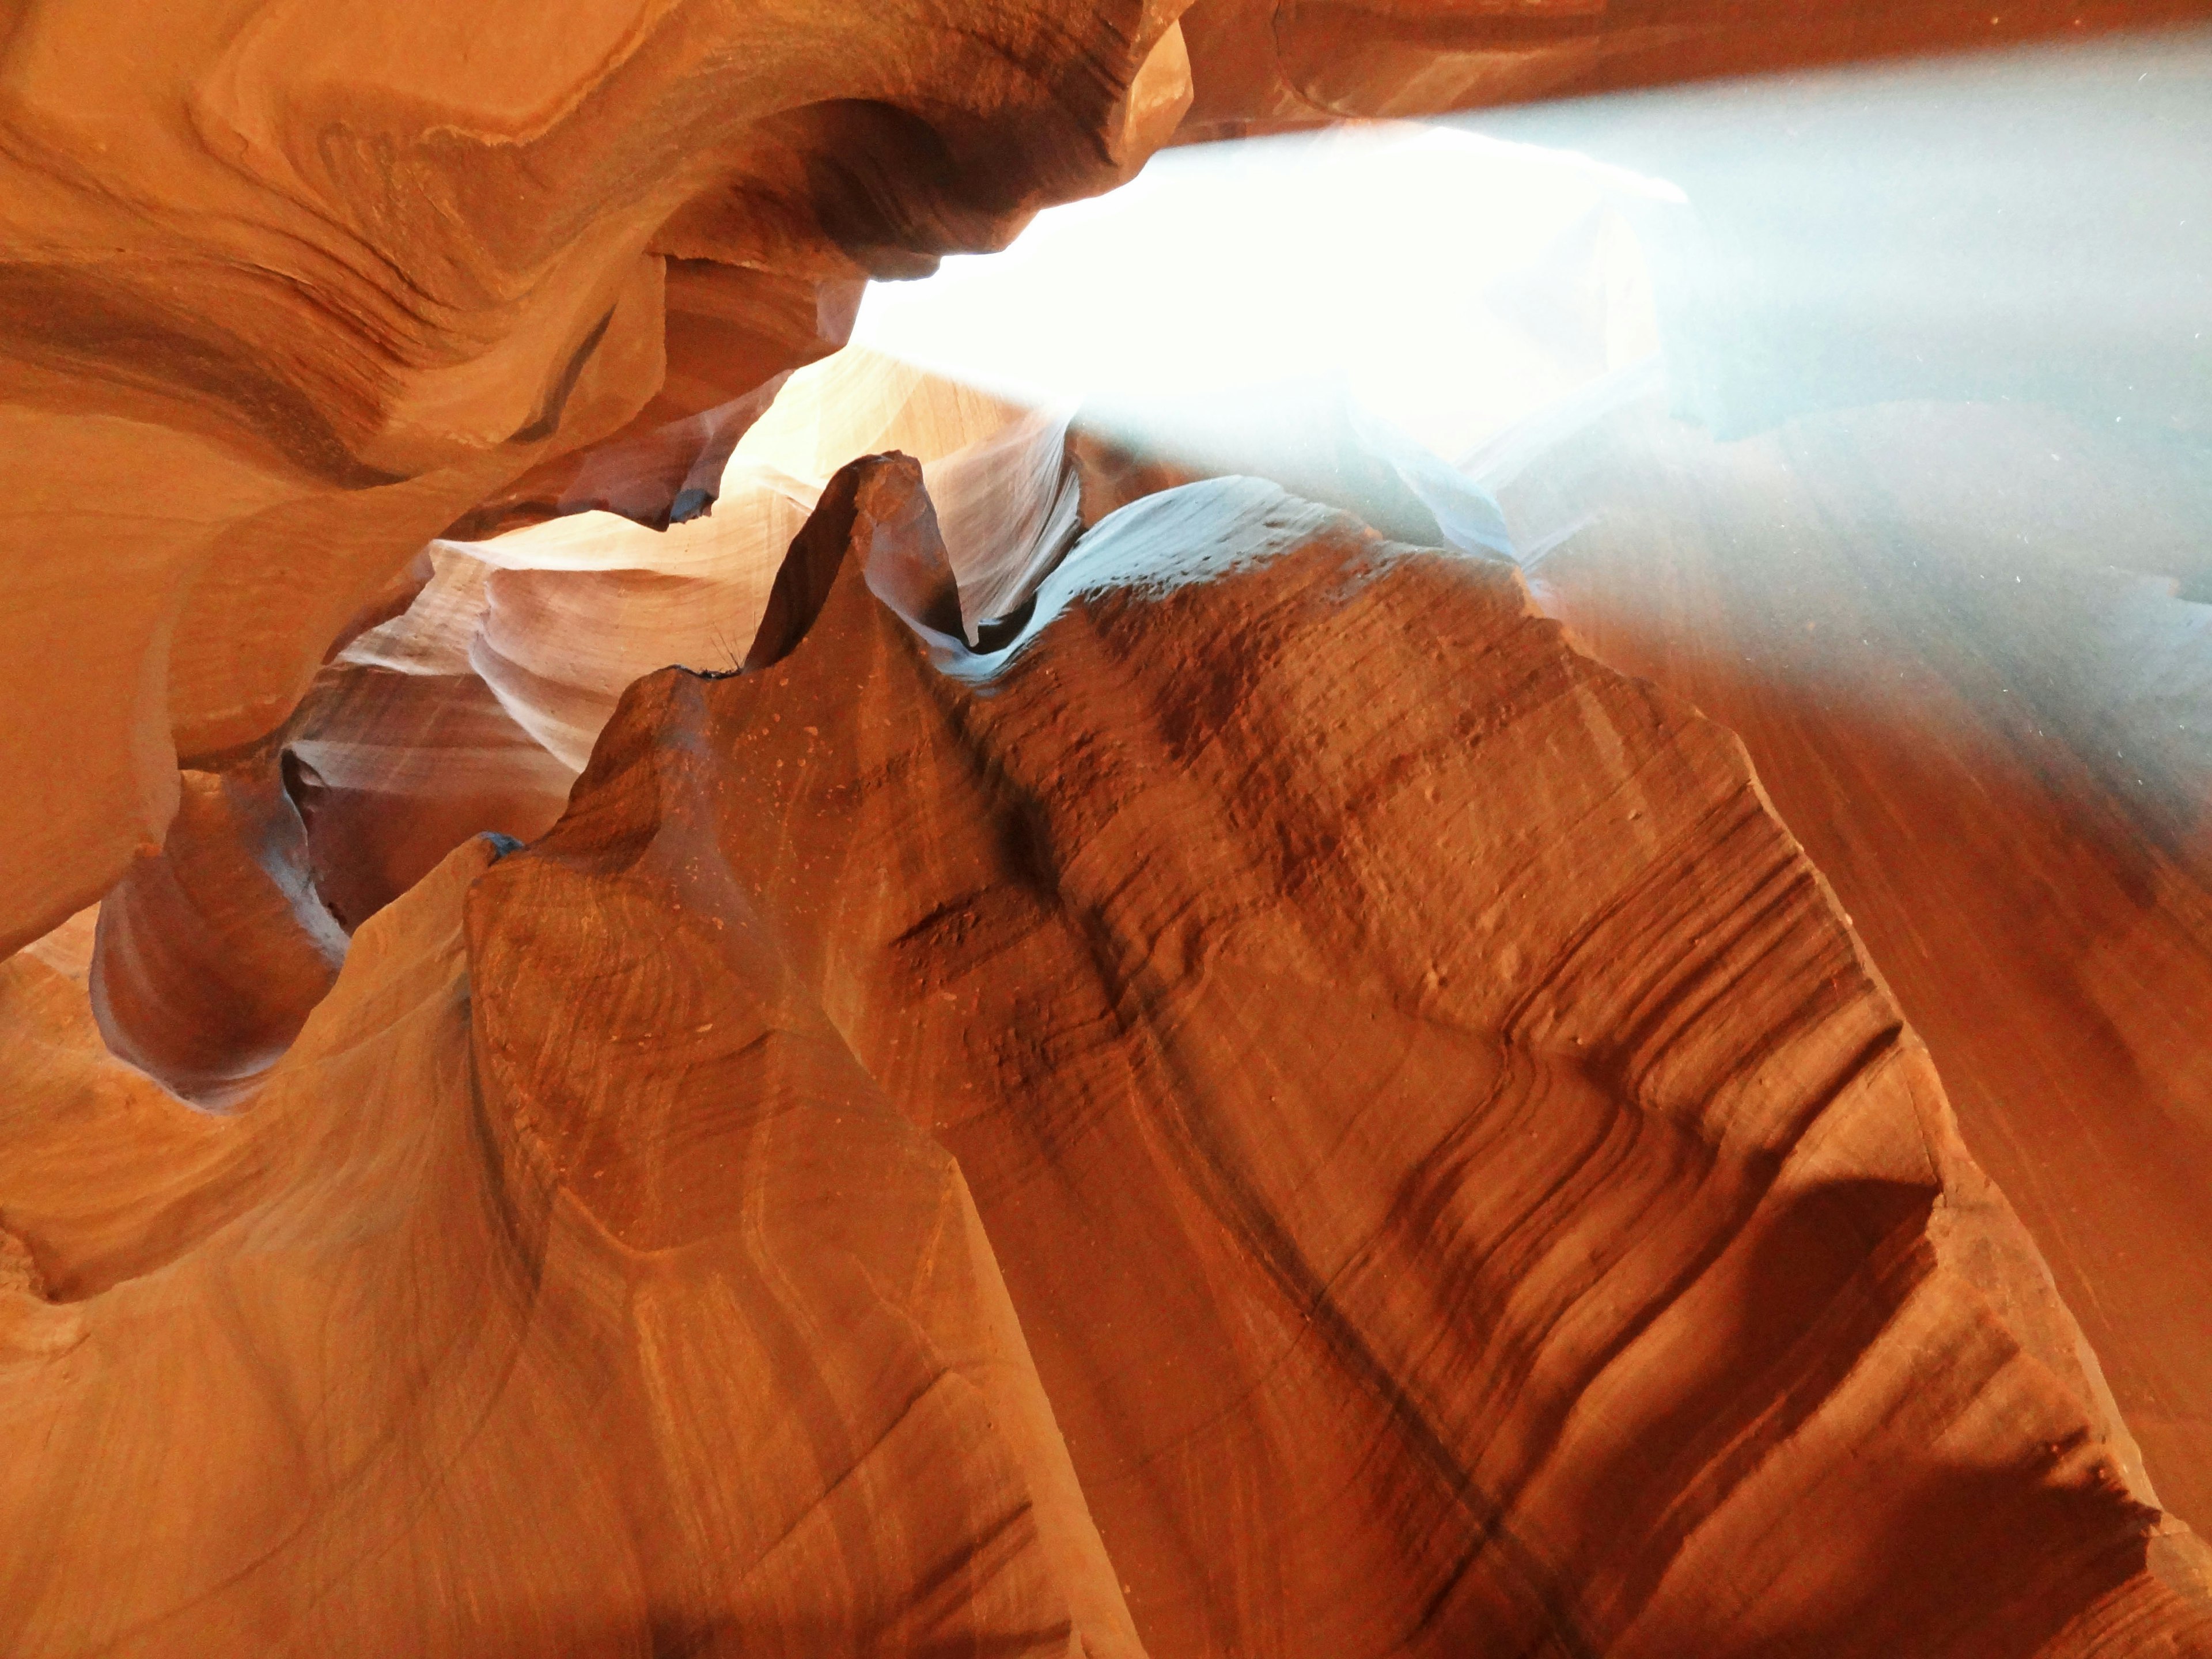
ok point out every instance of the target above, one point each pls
(473, 708)
(1463, 1187)
(282, 297)
(557, 618)
(209, 954)
(731, 338)
(1287, 1113)
(391, 771)
(1991, 741)
(283, 294)
(745, 1380)
(914, 1162)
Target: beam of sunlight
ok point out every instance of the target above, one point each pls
(1450, 283)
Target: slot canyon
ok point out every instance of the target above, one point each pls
(1209, 828)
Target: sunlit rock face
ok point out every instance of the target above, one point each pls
(1913, 501)
(1921, 516)
(1940, 714)
(284, 297)
(474, 708)
(732, 336)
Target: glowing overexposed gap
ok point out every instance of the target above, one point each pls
(1452, 283)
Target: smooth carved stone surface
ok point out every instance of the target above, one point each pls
(1286, 1112)
(559, 1348)
(1463, 1187)
(105, 1171)
(732, 336)
(282, 297)
(211, 954)
(283, 293)
(1984, 709)
(474, 708)
(392, 770)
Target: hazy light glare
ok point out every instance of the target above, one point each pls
(1420, 268)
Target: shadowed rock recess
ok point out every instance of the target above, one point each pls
(1285, 1112)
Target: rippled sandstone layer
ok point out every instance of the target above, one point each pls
(287, 292)
(284, 294)
(1287, 1113)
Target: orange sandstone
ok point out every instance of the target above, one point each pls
(1288, 1112)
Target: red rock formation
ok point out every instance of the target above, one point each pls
(1435, 1175)
(1968, 714)
(286, 294)
(447, 1399)
(733, 335)
(303, 292)
(474, 708)
(211, 953)
(1362, 1132)
(391, 771)
(1231, 1095)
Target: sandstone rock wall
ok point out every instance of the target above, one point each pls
(1115, 1065)
(1285, 1112)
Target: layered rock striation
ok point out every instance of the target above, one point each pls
(286, 295)
(1113, 1065)
(1284, 1110)
(283, 298)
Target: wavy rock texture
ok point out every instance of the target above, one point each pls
(281, 298)
(1222, 1093)
(1337, 1371)
(475, 707)
(1991, 739)
(211, 954)
(733, 335)
(1459, 1189)
(285, 294)
(756, 1390)
(392, 771)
